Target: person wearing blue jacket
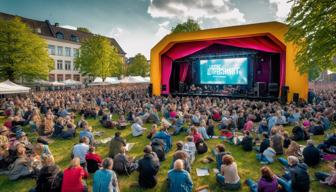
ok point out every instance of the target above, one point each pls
(164, 135)
(179, 180)
(105, 180)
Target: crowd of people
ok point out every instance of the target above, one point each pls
(254, 125)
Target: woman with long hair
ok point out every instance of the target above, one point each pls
(73, 177)
(267, 183)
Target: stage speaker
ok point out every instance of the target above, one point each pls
(273, 89)
(260, 89)
(163, 87)
(150, 89)
(284, 94)
(296, 97)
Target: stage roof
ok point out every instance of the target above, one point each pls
(275, 30)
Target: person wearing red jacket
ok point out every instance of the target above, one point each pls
(73, 177)
(93, 160)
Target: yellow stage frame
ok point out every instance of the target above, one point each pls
(297, 83)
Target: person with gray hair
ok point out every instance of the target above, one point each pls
(311, 154)
(105, 180)
(179, 179)
(296, 177)
(137, 129)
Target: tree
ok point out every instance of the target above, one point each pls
(83, 29)
(312, 27)
(138, 65)
(23, 54)
(97, 57)
(188, 26)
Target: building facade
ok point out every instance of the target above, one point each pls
(63, 47)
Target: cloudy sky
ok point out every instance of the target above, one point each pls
(139, 24)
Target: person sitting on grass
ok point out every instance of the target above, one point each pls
(49, 177)
(247, 142)
(263, 126)
(73, 177)
(202, 130)
(190, 148)
(93, 160)
(228, 177)
(182, 155)
(197, 137)
(137, 129)
(86, 132)
(267, 157)
(165, 137)
(294, 150)
(148, 168)
(265, 143)
(311, 155)
(116, 144)
(299, 134)
(80, 150)
(219, 152)
(178, 123)
(267, 183)
(276, 141)
(287, 140)
(210, 129)
(327, 178)
(153, 131)
(296, 177)
(22, 166)
(105, 179)
(124, 164)
(328, 145)
(179, 179)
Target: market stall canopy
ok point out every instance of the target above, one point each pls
(133, 79)
(98, 80)
(72, 82)
(112, 80)
(8, 87)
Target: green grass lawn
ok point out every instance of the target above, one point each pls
(248, 166)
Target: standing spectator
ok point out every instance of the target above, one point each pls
(148, 168)
(105, 180)
(179, 179)
(73, 177)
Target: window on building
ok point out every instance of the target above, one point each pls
(60, 77)
(68, 51)
(74, 66)
(75, 52)
(76, 77)
(59, 35)
(59, 50)
(51, 77)
(67, 65)
(59, 64)
(74, 38)
(51, 49)
(67, 76)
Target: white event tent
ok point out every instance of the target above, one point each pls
(8, 87)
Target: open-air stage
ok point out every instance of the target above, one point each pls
(248, 61)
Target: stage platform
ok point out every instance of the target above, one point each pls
(249, 97)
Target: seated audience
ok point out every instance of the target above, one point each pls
(211, 128)
(299, 134)
(265, 143)
(277, 142)
(219, 152)
(311, 155)
(152, 132)
(247, 142)
(182, 155)
(326, 178)
(148, 168)
(73, 177)
(93, 160)
(179, 179)
(137, 129)
(190, 148)
(267, 157)
(228, 177)
(116, 144)
(105, 179)
(86, 132)
(267, 183)
(287, 140)
(165, 137)
(124, 164)
(22, 166)
(80, 150)
(202, 130)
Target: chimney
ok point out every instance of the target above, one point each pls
(56, 24)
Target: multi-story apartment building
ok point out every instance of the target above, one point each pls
(63, 46)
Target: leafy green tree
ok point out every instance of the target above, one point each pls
(98, 58)
(312, 26)
(138, 65)
(188, 26)
(23, 54)
(83, 29)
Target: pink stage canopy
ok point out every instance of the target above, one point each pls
(260, 43)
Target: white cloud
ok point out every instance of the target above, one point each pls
(69, 27)
(163, 29)
(216, 12)
(283, 8)
(115, 32)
